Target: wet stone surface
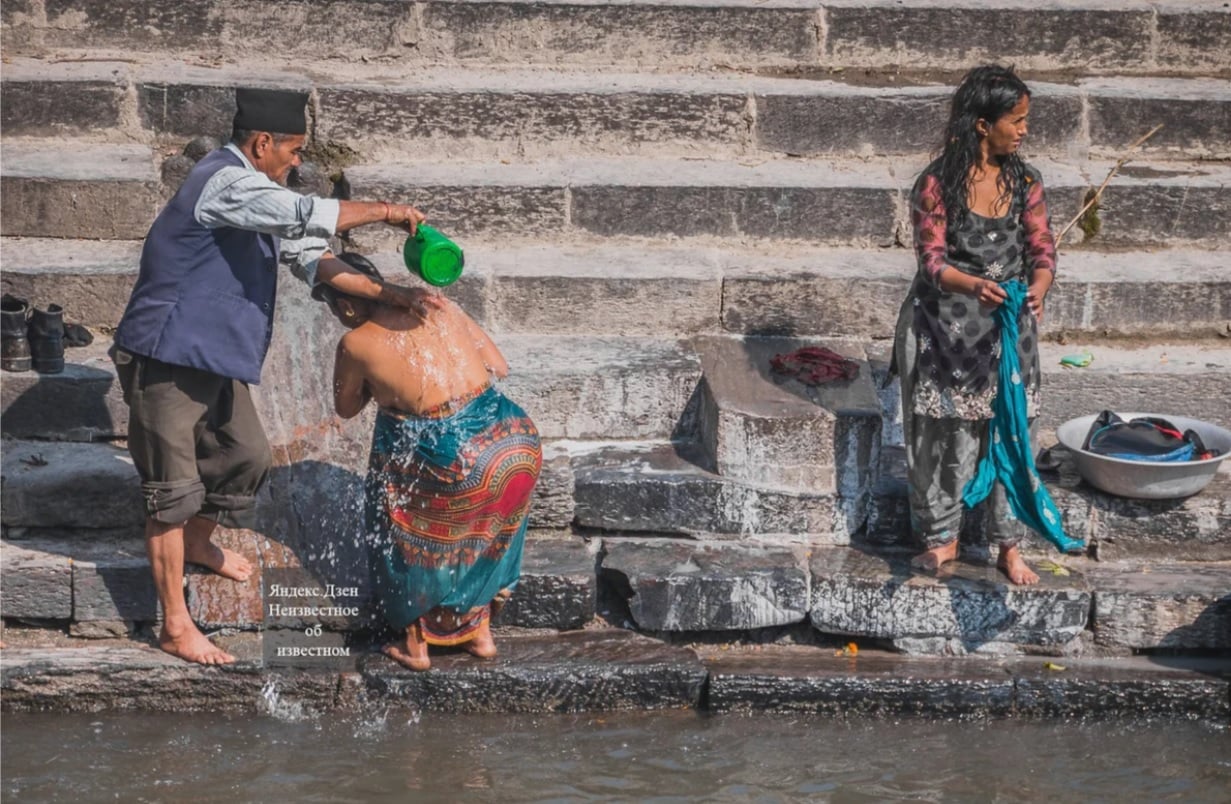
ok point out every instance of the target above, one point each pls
(578, 671)
(685, 586)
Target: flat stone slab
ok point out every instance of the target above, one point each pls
(59, 484)
(967, 609)
(1178, 606)
(90, 279)
(35, 583)
(662, 488)
(82, 403)
(572, 672)
(591, 387)
(873, 683)
(675, 585)
(109, 192)
(558, 583)
(765, 428)
(107, 571)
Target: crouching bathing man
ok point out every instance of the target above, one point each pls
(196, 330)
(452, 468)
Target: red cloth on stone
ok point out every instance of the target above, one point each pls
(813, 365)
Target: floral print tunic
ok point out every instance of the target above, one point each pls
(956, 342)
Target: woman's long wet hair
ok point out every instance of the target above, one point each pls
(988, 93)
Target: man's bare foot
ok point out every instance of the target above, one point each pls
(1012, 565)
(190, 644)
(930, 561)
(227, 563)
(482, 645)
(411, 654)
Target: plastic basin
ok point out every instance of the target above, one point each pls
(1142, 479)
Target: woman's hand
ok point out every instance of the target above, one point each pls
(1034, 298)
(988, 293)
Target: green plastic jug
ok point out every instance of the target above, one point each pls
(434, 257)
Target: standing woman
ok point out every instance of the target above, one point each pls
(980, 219)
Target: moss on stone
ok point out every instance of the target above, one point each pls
(1090, 222)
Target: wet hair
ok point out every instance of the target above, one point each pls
(329, 295)
(988, 93)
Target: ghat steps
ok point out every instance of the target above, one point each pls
(632, 215)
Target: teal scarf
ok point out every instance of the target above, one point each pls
(1009, 459)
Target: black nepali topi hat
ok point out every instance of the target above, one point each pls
(277, 111)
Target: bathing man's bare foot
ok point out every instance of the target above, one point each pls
(413, 652)
(186, 642)
(930, 561)
(227, 563)
(1012, 565)
(483, 645)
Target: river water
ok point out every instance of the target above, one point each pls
(675, 756)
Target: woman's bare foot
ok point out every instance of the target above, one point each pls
(412, 653)
(188, 643)
(930, 561)
(483, 645)
(227, 563)
(1012, 565)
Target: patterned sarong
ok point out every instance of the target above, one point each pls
(448, 493)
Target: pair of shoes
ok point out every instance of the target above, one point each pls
(31, 338)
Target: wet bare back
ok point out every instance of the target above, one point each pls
(412, 364)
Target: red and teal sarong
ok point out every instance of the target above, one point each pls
(447, 503)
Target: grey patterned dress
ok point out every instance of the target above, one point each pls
(947, 351)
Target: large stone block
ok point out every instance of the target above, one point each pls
(1152, 205)
(656, 489)
(812, 680)
(605, 388)
(1188, 380)
(552, 505)
(132, 25)
(574, 672)
(1196, 528)
(533, 115)
(601, 290)
(82, 403)
(107, 192)
(686, 586)
(1194, 37)
(1196, 114)
(98, 479)
(620, 34)
(35, 581)
(873, 34)
(839, 119)
(1136, 687)
(118, 586)
(218, 602)
(838, 215)
(776, 431)
(90, 279)
(49, 108)
(558, 584)
(349, 30)
(966, 609)
(186, 110)
(1177, 606)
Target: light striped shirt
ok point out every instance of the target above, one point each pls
(245, 198)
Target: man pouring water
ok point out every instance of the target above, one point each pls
(196, 330)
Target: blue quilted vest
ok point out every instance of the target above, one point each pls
(204, 297)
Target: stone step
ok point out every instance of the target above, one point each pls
(798, 679)
(100, 582)
(1196, 528)
(1087, 37)
(763, 428)
(663, 488)
(1163, 605)
(49, 484)
(381, 114)
(55, 188)
(592, 670)
(638, 286)
(827, 201)
(573, 387)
